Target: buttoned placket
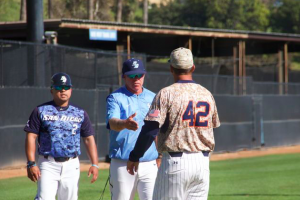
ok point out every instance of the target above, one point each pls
(138, 103)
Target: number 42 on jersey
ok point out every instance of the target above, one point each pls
(195, 118)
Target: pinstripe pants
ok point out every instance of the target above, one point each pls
(182, 178)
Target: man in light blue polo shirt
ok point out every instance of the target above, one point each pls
(126, 110)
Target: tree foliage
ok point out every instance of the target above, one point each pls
(239, 15)
(225, 14)
(9, 10)
(286, 16)
(254, 15)
(166, 13)
(132, 11)
(69, 9)
(102, 10)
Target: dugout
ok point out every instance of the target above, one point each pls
(160, 40)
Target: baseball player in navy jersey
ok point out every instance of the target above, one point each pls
(183, 115)
(58, 126)
(126, 110)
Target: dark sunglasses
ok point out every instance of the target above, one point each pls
(132, 76)
(61, 87)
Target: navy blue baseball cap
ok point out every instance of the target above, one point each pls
(133, 66)
(60, 79)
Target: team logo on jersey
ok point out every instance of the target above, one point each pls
(154, 113)
(63, 79)
(61, 118)
(135, 64)
(27, 124)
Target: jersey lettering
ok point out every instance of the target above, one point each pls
(62, 118)
(200, 114)
(50, 118)
(188, 114)
(75, 126)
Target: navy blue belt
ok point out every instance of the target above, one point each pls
(60, 159)
(179, 154)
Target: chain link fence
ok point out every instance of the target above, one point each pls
(252, 113)
(27, 64)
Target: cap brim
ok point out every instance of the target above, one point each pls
(135, 72)
(61, 85)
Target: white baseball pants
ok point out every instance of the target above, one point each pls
(123, 185)
(182, 178)
(58, 178)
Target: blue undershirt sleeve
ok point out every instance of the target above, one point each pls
(34, 123)
(86, 126)
(144, 141)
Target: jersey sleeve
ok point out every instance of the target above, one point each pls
(215, 116)
(113, 109)
(86, 126)
(34, 122)
(159, 108)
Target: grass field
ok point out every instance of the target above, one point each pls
(275, 177)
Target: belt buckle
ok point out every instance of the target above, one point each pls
(205, 153)
(61, 159)
(175, 154)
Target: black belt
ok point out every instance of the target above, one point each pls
(179, 154)
(60, 159)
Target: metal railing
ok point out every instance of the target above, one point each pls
(29, 64)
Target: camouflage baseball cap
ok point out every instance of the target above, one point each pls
(181, 58)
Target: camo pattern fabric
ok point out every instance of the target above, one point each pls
(59, 129)
(186, 113)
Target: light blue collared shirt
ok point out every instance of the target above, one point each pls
(121, 104)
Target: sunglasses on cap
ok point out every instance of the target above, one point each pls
(132, 76)
(61, 87)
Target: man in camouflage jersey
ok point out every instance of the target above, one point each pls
(184, 114)
(58, 126)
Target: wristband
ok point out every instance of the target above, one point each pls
(93, 165)
(30, 164)
(159, 156)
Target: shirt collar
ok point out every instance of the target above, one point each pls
(60, 108)
(131, 94)
(186, 81)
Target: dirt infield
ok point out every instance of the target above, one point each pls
(255, 153)
(21, 171)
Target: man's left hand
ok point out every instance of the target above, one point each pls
(158, 162)
(93, 170)
(132, 167)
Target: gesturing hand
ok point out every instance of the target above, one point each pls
(130, 123)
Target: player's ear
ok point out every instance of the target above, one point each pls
(171, 69)
(193, 69)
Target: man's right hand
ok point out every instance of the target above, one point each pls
(33, 173)
(132, 167)
(130, 123)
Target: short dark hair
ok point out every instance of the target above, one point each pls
(181, 71)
